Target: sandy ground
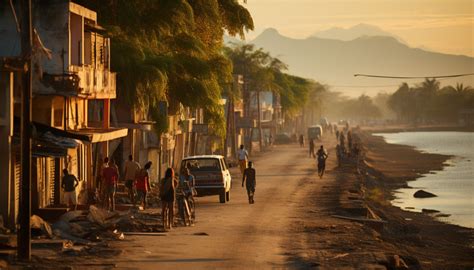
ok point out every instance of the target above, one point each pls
(292, 223)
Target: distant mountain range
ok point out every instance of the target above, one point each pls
(357, 31)
(335, 55)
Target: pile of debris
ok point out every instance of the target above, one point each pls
(86, 232)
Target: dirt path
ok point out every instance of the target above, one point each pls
(234, 235)
(291, 225)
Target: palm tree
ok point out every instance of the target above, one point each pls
(430, 85)
(460, 88)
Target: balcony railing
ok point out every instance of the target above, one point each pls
(95, 83)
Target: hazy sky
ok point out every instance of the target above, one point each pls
(439, 25)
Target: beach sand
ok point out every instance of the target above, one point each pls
(437, 245)
(321, 239)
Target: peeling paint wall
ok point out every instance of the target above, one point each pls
(51, 22)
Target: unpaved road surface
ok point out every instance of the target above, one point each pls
(235, 234)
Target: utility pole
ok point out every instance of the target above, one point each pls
(24, 233)
(259, 117)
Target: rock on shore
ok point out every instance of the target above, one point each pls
(423, 194)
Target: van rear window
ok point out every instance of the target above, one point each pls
(202, 164)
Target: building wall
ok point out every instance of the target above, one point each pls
(50, 19)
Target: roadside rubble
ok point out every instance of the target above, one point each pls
(88, 232)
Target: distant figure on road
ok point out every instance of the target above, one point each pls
(168, 195)
(111, 177)
(337, 134)
(301, 140)
(250, 182)
(322, 156)
(143, 185)
(69, 184)
(311, 148)
(342, 141)
(132, 168)
(339, 154)
(243, 155)
(349, 141)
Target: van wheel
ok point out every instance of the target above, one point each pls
(222, 196)
(227, 196)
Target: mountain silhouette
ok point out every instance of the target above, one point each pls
(335, 62)
(357, 31)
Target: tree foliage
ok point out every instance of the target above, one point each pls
(172, 50)
(263, 72)
(426, 102)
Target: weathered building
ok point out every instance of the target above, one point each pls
(72, 92)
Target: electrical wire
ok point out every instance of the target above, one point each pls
(409, 77)
(376, 86)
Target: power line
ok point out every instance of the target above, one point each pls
(409, 77)
(364, 86)
(376, 86)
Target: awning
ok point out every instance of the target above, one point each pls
(48, 141)
(96, 135)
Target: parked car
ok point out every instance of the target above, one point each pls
(212, 176)
(282, 138)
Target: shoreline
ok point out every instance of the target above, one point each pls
(411, 128)
(389, 167)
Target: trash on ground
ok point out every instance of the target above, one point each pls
(39, 227)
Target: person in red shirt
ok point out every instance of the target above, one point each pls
(111, 177)
(143, 185)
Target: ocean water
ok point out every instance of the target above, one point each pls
(454, 185)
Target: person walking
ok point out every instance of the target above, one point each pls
(111, 176)
(101, 182)
(322, 156)
(143, 185)
(69, 184)
(249, 178)
(349, 142)
(301, 140)
(311, 148)
(168, 195)
(243, 156)
(339, 155)
(342, 141)
(132, 168)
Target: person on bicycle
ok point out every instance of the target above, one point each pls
(186, 176)
(322, 156)
(185, 196)
(250, 181)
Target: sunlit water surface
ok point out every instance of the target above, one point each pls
(453, 185)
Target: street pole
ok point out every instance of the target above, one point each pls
(259, 117)
(24, 233)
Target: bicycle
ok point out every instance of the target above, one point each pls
(186, 204)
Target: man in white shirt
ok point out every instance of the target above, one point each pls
(243, 155)
(131, 170)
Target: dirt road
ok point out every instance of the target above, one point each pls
(235, 234)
